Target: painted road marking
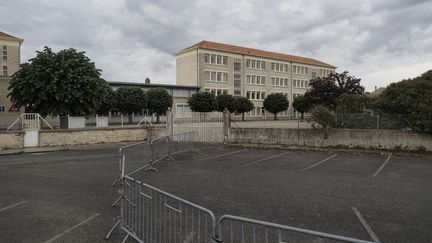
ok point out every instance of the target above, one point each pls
(261, 160)
(223, 155)
(322, 161)
(12, 206)
(366, 225)
(71, 228)
(382, 166)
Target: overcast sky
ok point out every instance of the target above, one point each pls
(378, 41)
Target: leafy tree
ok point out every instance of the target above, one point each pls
(302, 104)
(225, 101)
(243, 105)
(352, 103)
(61, 83)
(323, 116)
(275, 103)
(130, 100)
(326, 90)
(410, 100)
(107, 101)
(202, 102)
(159, 101)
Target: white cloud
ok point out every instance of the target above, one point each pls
(378, 41)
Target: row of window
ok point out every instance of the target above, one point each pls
(255, 79)
(279, 67)
(255, 64)
(4, 61)
(215, 59)
(216, 92)
(325, 72)
(300, 70)
(300, 83)
(255, 95)
(279, 81)
(215, 76)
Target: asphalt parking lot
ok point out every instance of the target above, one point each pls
(66, 196)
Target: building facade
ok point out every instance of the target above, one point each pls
(10, 59)
(221, 68)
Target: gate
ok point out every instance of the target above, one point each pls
(208, 127)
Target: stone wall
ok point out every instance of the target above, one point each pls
(11, 140)
(347, 138)
(64, 137)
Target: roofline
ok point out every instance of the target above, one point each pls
(152, 85)
(11, 38)
(197, 46)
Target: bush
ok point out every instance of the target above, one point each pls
(225, 101)
(275, 103)
(243, 105)
(323, 117)
(202, 102)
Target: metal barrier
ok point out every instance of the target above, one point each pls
(242, 230)
(151, 215)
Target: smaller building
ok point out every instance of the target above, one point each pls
(180, 93)
(10, 47)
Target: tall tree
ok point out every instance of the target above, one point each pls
(159, 101)
(202, 102)
(409, 100)
(351, 103)
(243, 105)
(62, 83)
(326, 90)
(225, 101)
(302, 104)
(275, 103)
(107, 102)
(130, 100)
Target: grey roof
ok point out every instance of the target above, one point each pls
(152, 85)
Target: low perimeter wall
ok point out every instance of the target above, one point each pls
(63, 137)
(348, 138)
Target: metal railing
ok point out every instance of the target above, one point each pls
(242, 230)
(151, 215)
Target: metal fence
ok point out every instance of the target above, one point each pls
(149, 214)
(235, 229)
(206, 126)
(152, 215)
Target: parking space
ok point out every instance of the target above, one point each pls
(66, 196)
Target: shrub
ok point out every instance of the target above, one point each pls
(323, 117)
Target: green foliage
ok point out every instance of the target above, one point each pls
(107, 101)
(225, 101)
(327, 90)
(61, 83)
(351, 103)
(202, 102)
(130, 99)
(411, 100)
(275, 103)
(243, 105)
(322, 116)
(302, 104)
(159, 100)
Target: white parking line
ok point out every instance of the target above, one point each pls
(322, 161)
(12, 206)
(71, 228)
(366, 225)
(222, 155)
(382, 166)
(261, 160)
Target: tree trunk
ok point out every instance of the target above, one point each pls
(302, 116)
(243, 116)
(275, 116)
(157, 118)
(130, 118)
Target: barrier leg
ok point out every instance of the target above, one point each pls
(108, 235)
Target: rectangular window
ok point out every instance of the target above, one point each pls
(248, 94)
(206, 75)
(213, 76)
(213, 58)
(225, 77)
(219, 59)
(225, 60)
(263, 66)
(253, 79)
(237, 66)
(219, 76)
(272, 66)
(206, 58)
(248, 63)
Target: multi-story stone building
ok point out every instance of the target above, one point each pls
(221, 68)
(10, 51)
